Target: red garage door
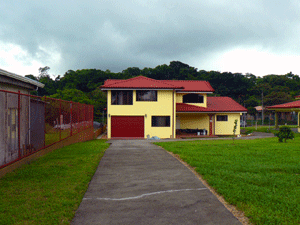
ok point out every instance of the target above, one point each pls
(127, 126)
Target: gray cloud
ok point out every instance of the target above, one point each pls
(119, 34)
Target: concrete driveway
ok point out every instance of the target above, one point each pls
(137, 182)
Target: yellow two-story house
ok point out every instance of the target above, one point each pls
(142, 107)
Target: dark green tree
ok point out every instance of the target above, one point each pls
(73, 95)
(275, 98)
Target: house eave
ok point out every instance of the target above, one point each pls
(296, 109)
(195, 92)
(146, 89)
(21, 78)
(215, 112)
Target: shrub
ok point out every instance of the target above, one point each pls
(284, 134)
(234, 130)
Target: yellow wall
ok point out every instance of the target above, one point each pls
(193, 121)
(179, 99)
(162, 107)
(226, 127)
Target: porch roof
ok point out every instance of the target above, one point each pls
(288, 105)
(214, 104)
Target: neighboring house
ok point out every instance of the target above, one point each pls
(282, 116)
(13, 82)
(15, 108)
(258, 114)
(142, 107)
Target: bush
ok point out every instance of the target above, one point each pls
(284, 134)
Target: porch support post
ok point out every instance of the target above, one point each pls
(210, 124)
(276, 120)
(298, 122)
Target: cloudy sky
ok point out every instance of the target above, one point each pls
(248, 36)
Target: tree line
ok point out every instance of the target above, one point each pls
(247, 89)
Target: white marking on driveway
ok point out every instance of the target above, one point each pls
(144, 195)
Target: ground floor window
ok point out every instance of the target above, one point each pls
(222, 118)
(160, 121)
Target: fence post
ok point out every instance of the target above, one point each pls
(60, 119)
(45, 121)
(19, 125)
(71, 117)
(78, 117)
(92, 115)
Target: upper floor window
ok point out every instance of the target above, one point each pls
(193, 98)
(121, 97)
(146, 95)
(222, 118)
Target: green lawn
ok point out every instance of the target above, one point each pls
(54, 137)
(261, 177)
(49, 190)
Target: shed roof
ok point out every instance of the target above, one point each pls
(21, 78)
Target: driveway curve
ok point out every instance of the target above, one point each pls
(138, 182)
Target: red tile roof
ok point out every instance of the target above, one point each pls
(111, 81)
(192, 85)
(139, 82)
(214, 104)
(295, 104)
(142, 82)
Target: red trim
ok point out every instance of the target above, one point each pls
(40, 97)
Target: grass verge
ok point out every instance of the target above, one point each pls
(54, 137)
(49, 190)
(265, 129)
(260, 177)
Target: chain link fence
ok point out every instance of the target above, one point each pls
(30, 123)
